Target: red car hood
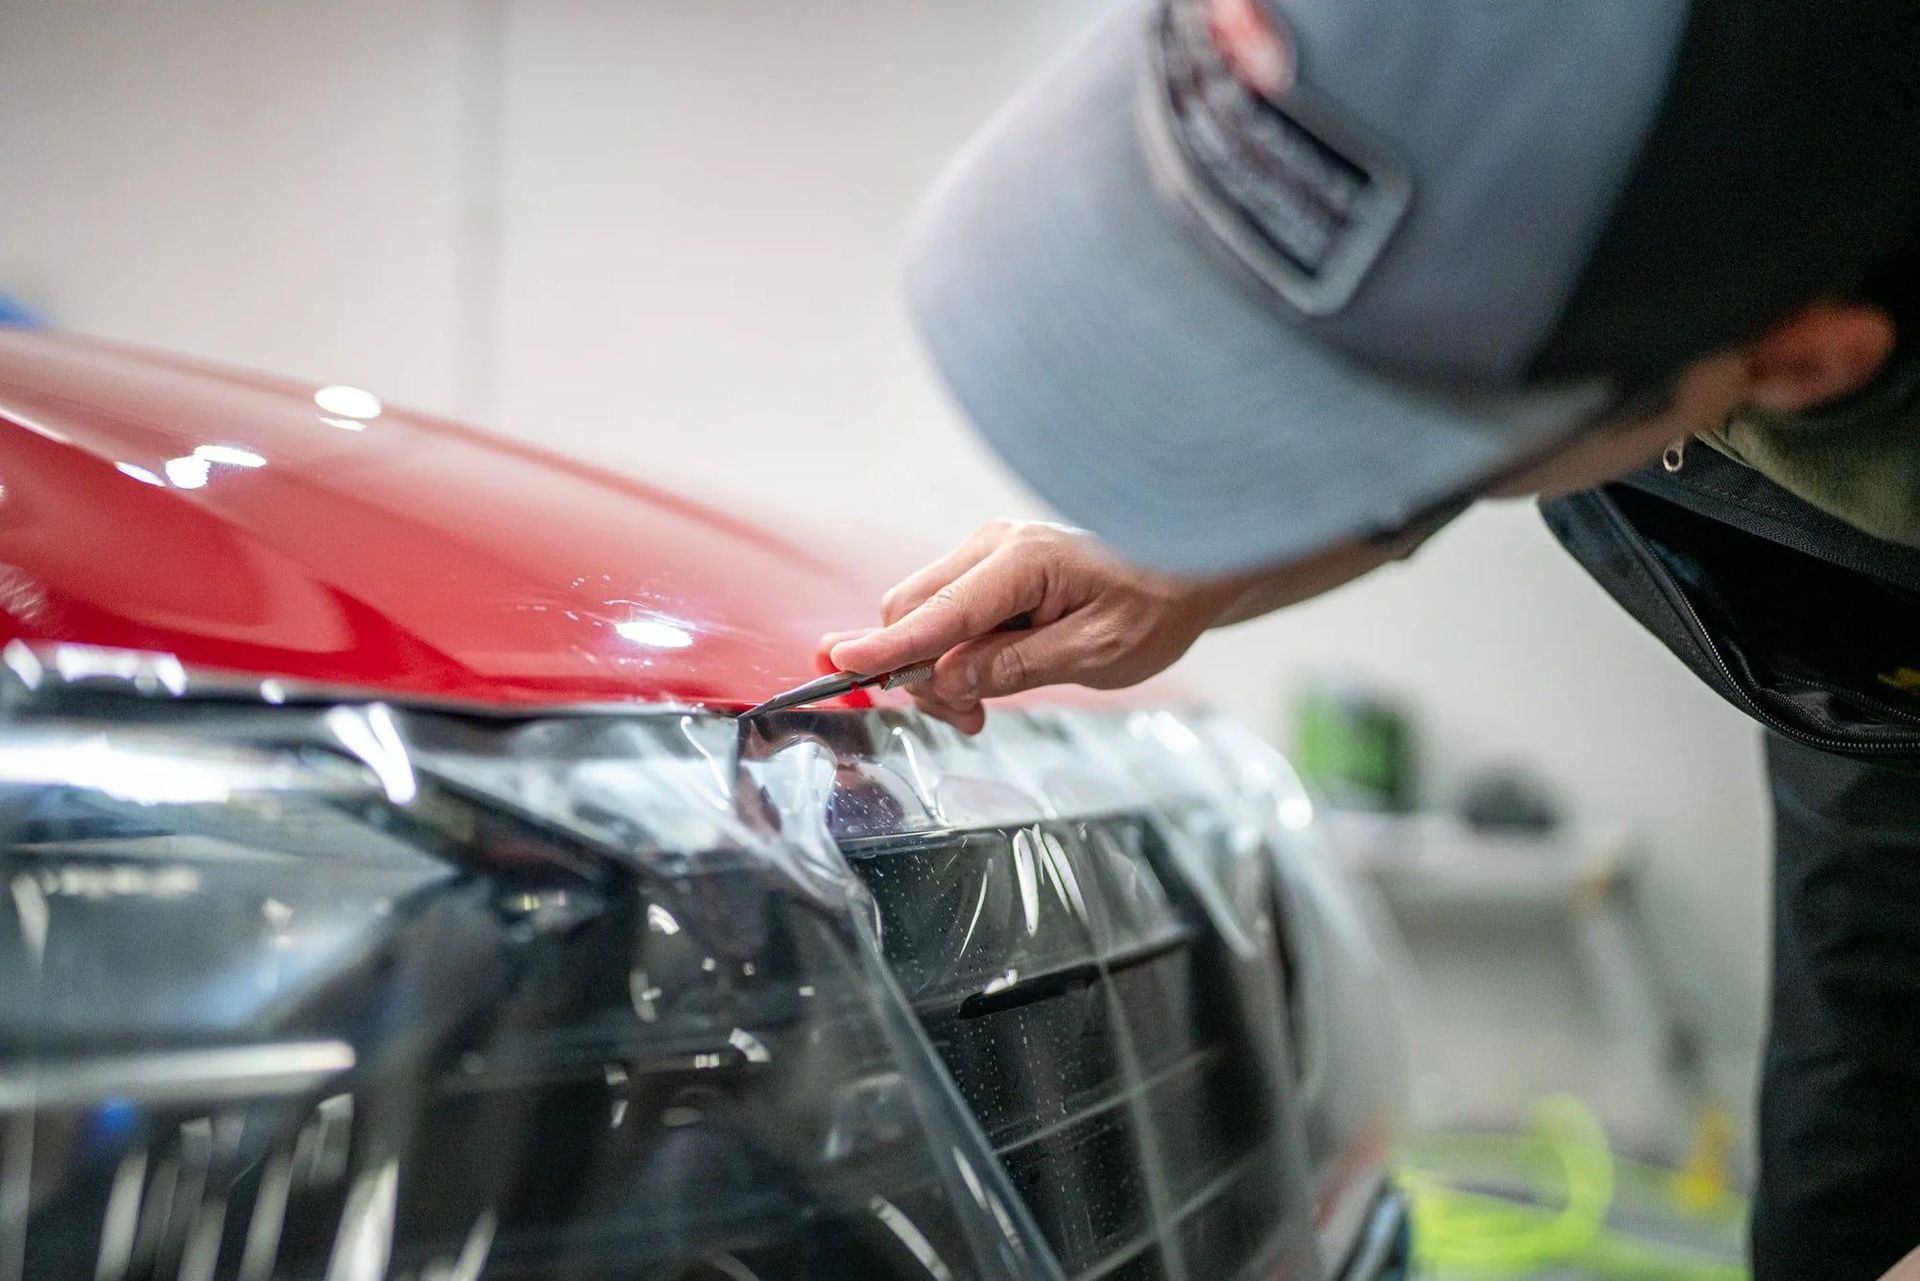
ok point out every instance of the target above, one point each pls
(250, 524)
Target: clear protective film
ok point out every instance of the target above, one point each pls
(353, 991)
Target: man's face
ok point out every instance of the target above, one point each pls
(1705, 395)
(1822, 352)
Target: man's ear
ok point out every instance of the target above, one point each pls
(1820, 353)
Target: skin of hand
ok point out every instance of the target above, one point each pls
(1102, 623)
(1096, 621)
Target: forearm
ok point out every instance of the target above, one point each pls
(1266, 590)
(1096, 620)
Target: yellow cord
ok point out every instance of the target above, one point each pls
(1570, 1168)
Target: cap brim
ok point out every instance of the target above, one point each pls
(1143, 387)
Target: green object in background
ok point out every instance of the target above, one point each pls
(1354, 746)
(1551, 1202)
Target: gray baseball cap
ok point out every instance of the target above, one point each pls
(1239, 279)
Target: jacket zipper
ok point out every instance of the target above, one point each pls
(1671, 588)
(1898, 713)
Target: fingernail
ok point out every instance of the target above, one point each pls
(973, 680)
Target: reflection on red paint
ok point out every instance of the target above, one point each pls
(224, 517)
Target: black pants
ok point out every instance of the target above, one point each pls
(1839, 1184)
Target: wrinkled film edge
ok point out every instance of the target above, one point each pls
(1031, 765)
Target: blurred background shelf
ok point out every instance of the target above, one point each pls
(1527, 972)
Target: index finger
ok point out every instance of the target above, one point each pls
(910, 592)
(1009, 582)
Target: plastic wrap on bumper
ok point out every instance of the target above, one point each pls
(354, 991)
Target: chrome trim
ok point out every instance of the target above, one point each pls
(174, 1076)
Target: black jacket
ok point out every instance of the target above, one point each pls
(1800, 620)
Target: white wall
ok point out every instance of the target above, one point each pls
(663, 235)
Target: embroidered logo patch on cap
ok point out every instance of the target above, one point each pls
(1296, 191)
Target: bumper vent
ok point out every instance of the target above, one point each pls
(1081, 1004)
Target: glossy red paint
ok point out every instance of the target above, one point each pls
(239, 524)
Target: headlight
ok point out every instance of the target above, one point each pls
(354, 992)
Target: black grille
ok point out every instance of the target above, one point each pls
(477, 1027)
(1082, 1006)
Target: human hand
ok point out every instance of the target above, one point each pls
(1094, 620)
